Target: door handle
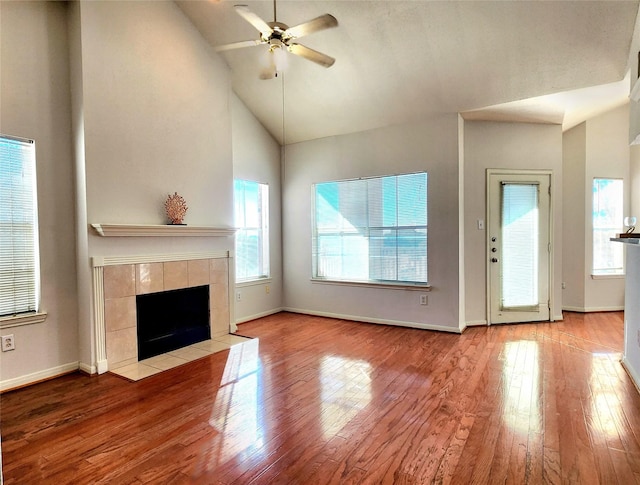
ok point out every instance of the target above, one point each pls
(493, 250)
(494, 260)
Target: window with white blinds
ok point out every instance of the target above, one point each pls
(371, 230)
(608, 206)
(251, 212)
(18, 227)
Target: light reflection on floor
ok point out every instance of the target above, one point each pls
(345, 390)
(237, 413)
(521, 386)
(605, 405)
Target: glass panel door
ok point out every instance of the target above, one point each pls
(518, 246)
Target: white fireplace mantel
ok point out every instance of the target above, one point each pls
(138, 230)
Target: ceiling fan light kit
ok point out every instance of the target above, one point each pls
(279, 37)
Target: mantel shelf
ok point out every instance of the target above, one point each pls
(142, 230)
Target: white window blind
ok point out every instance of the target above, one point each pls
(371, 230)
(520, 240)
(18, 227)
(608, 257)
(251, 201)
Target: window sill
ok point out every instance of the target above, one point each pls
(619, 276)
(24, 319)
(256, 282)
(368, 284)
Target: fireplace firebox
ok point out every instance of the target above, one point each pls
(170, 320)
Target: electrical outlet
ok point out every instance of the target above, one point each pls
(424, 300)
(564, 285)
(8, 343)
(267, 289)
(238, 296)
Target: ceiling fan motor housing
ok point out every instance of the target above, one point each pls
(279, 33)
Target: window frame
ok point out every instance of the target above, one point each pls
(378, 283)
(264, 263)
(603, 273)
(32, 313)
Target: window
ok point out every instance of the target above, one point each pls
(19, 267)
(607, 222)
(371, 230)
(252, 236)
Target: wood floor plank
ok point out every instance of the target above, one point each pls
(320, 400)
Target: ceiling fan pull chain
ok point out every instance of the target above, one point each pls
(275, 17)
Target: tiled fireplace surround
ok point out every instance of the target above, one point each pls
(118, 280)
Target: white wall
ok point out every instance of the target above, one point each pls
(35, 104)
(152, 114)
(574, 147)
(256, 157)
(83, 277)
(607, 155)
(156, 114)
(596, 148)
(157, 119)
(513, 146)
(432, 146)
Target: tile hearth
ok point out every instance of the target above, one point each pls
(175, 358)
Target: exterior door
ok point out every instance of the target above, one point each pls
(518, 246)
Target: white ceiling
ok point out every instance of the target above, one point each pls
(403, 61)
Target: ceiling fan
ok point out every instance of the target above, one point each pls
(280, 38)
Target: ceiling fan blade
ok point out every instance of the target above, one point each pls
(323, 22)
(238, 45)
(311, 55)
(254, 20)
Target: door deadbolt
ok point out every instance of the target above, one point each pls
(493, 250)
(494, 260)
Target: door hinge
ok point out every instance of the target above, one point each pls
(549, 189)
(549, 248)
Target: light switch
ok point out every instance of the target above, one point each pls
(480, 224)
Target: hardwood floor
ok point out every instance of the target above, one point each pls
(316, 400)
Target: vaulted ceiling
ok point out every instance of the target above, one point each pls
(403, 61)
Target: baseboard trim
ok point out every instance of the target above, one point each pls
(43, 375)
(87, 369)
(593, 309)
(357, 318)
(258, 315)
(631, 372)
(476, 323)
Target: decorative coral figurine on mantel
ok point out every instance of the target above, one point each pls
(176, 208)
